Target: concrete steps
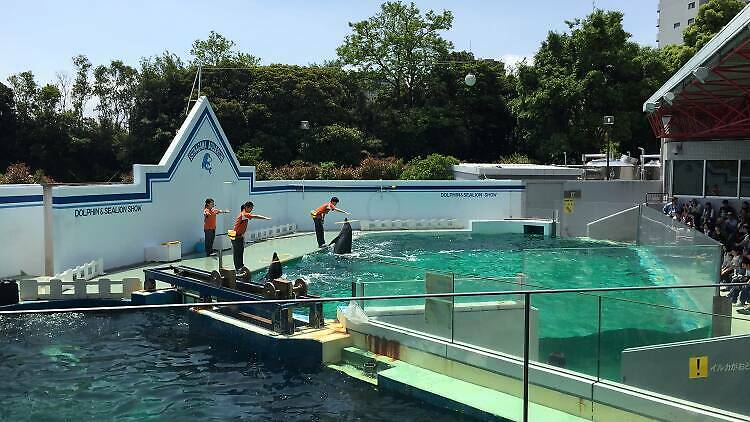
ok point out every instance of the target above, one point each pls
(440, 390)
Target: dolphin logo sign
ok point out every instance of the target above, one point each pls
(208, 160)
(207, 163)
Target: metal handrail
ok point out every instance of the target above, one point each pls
(379, 297)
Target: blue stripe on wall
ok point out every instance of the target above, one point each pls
(16, 199)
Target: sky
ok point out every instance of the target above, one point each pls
(43, 36)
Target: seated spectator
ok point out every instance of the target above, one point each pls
(708, 231)
(744, 212)
(743, 237)
(719, 234)
(729, 271)
(725, 209)
(671, 208)
(708, 215)
(684, 214)
(741, 276)
(731, 222)
(694, 208)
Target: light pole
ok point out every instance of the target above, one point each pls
(608, 121)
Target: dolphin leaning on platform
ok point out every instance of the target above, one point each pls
(342, 244)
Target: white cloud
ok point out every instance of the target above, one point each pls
(512, 60)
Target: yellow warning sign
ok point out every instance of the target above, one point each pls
(568, 205)
(698, 367)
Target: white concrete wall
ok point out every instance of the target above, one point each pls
(599, 198)
(21, 230)
(621, 226)
(390, 199)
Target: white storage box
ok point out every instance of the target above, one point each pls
(166, 252)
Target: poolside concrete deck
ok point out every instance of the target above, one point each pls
(257, 256)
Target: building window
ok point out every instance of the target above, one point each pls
(676, 25)
(721, 178)
(690, 21)
(691, 5)
(687, 177)
(745, 178)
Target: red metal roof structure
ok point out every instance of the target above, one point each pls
(709, 97)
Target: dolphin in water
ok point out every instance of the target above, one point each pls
(342, 244)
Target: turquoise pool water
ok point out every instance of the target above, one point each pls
(147, 366)
(568, 323)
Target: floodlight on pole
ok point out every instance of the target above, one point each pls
(701, 74)
(608, 121)
(669, 97)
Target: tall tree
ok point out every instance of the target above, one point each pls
(81, 90)
(9, 148)
(577, 78)
(25, 93)
(217, 50)
(115, 86)
(398, 47)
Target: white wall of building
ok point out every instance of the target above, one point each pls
(21, 230)
(675, 12)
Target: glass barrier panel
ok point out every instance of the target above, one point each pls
(432, 316)
(490, 322)
(679, 352)
(563, 343)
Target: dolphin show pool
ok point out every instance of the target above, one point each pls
(395, 264)
(138, 365)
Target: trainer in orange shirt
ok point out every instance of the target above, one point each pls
(209, 224)
(240, 227)
(319, 214)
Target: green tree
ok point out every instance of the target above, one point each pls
(712, 16)
(25, 93)
(470, 122)
(334, 143)
(81, 91)
(115, 86)
(397, 47)
(217, 51)
(160, 98)
(9, 147)
(577, 78)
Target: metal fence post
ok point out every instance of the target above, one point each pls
(526, 308)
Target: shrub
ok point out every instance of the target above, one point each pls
(373, 168)
(330, 171)
(515, 158)
(20, 173)
(344, 173)
(296, 170)
(126, 177)
(433, 167)
(263, 170)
